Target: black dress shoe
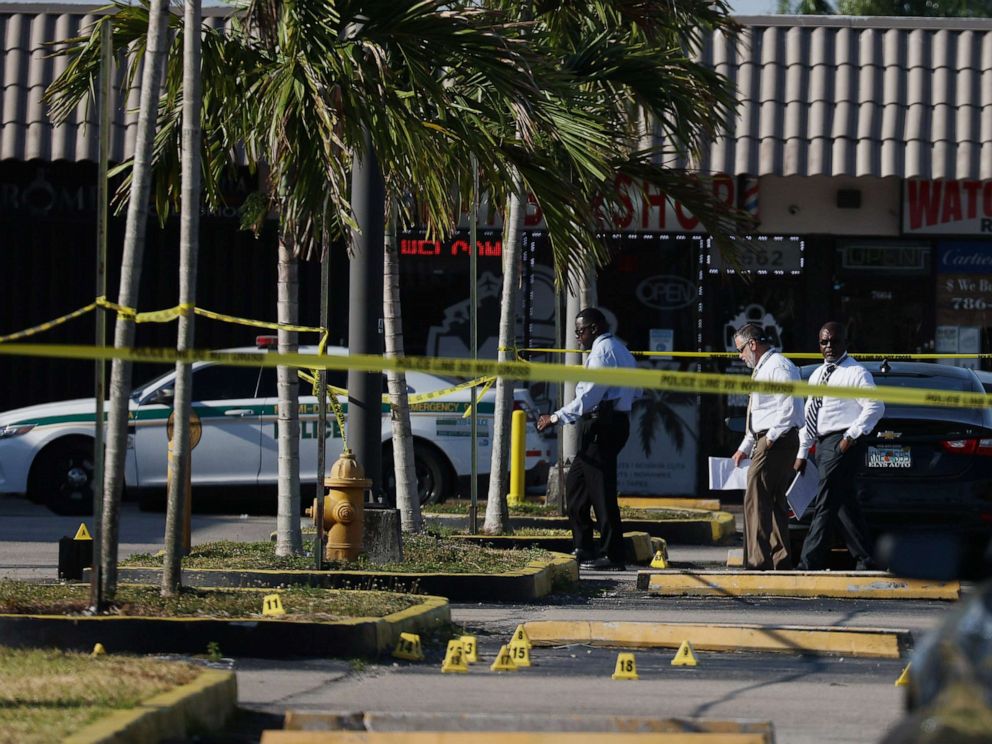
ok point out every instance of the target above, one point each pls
(583, 556)
(866, 565)
(603, 564)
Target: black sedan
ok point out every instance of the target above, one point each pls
(928, 469)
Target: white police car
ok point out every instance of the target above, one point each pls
(46, 451)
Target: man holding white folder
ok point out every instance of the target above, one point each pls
(771, 440)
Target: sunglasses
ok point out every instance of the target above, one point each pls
(583, 329)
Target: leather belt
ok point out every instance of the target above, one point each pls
(760, 434)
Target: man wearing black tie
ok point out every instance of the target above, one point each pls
(837, 426)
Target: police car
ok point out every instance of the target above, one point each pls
(46, 451)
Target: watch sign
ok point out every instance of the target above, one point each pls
(947, 207)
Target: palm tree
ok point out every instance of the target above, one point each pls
(298, 83)
(625, 58)
(153, 36)
(407, 496)
(189, 242)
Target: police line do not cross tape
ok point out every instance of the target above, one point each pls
(704, 383)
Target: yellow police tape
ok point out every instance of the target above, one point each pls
(159, 316)
(685, 382)
(414, 399)
(791, 355)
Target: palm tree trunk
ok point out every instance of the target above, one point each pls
(134, 247)
(407, 497)
(189, 245)
(497, 513)
(289, 539)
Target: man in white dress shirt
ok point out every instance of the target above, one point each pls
(771, 441)
(837, 427)
(602, 413)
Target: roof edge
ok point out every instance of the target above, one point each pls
(882, 22)
(93, 9)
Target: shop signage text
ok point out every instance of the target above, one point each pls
(947, 207)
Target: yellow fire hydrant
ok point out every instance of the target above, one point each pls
(344, 508)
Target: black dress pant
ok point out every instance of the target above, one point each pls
(836, 505)
(592, 482)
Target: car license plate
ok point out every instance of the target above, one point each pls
(889, 457)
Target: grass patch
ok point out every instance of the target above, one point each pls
(423, 553)
(529, 509)
(300, 603)
(46, 694)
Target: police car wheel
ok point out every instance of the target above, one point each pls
(433, 475)
(62, 477)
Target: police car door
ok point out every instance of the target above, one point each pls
(230, 414)
(268, 471)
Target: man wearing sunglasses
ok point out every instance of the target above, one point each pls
(837, 426)
(771, 441)
(602, 413)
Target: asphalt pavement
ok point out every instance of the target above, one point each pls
(809, 699)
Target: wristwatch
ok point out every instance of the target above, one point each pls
(554, 418)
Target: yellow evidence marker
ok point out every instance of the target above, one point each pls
(82, 533)
(272, 605)
(504, 661)
(471, 648)
(659, 560)
(520, 636)
(904, 680)
(98, 650)
(626, 667)
(408, 648)
(454, 658)
(520, 653)
(685, 656)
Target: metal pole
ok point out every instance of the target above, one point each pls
(473, 257)
(100, 377)
(368, 201)
(325, 279)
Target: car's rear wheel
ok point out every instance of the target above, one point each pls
(435, 480)
(62, 476)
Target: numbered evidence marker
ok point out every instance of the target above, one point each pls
(408, 648)
(520, 653)
(272, 605)
(504, 661)
(520, 636)
(659, 560)
(471, 648)
(454, 658)
(626, 667)
(903, 680)
(98, 650)
(685, 656)
(82, 533)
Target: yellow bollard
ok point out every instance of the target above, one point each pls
(518, 443)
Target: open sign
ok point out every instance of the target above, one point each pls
(666, 292)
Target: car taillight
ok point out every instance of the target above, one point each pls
(266, 342)
(960, 446)
(981, 447)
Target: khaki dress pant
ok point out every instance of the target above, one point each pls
(766, 510)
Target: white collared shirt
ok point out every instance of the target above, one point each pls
(774, 413)
(606, 351)
(854, 417)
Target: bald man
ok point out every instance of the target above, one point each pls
(837, 426)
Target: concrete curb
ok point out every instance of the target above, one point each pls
(637, 545)
(206, 703)
(879, 643)
(511, 737)
(668, 502)
(479, 721)
(711, 528)
(269, 638)
(534, 581)
(859, 584)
